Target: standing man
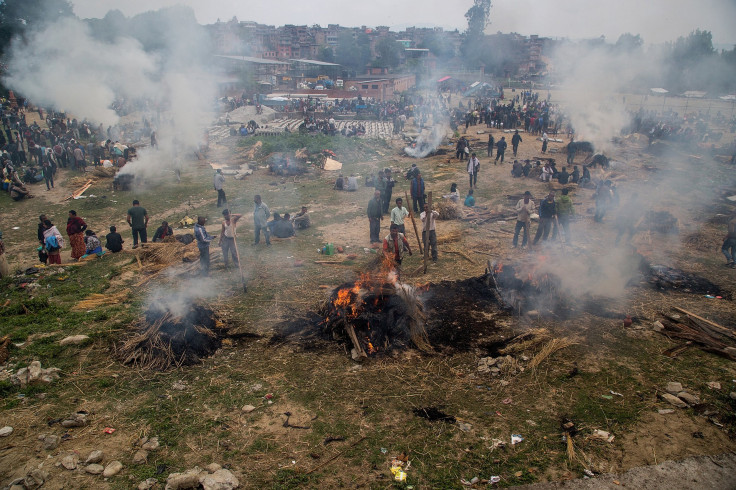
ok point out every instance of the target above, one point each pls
(490, 145)
(602, 197)
(227, 236)
(395, 244)
(515, 140)
(729, 244)
(547, 215)
(473, 168)
(79, 158)
(381, 187)
(219, 182)
(398, 214)
(524, 208)
(203, 244)
(138, 220)
(261, 213)
(417, 191)
(428, 230)
(48, 174)
(374, 217)
(545, 140)
(390, 182)
(565, 211)
(500, 149)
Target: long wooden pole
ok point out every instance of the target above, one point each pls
(411, 215)
(425, 229)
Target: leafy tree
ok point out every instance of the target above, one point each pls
(438, 44)
(628, 42)
(353, 52)
(326, 54)
(389, 51)
(473, 45)
(18, 17)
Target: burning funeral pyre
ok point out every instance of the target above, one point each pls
(167, 338)
(528, 290)
(376, 313)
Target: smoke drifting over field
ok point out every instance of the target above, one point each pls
(65, 67)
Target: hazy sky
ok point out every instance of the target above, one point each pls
(655, 20)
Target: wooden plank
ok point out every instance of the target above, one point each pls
(712, 324)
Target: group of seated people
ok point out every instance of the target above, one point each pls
(454, 196)
(549, 172)
(13, 183)
(346, 184)
(285, 226)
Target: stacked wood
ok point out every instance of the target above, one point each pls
(479, 216)
(696, 330)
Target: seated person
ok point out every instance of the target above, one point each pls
(301, 219)
(527, 168)
(271, 224)
(454, 195)
(339, 183)
(283, 227)
(546, 174)
(563, 177)
(92, 243)
(352, 183)
(517, 170)
(162, 232)
(470, 200)
(18, 192)
(575, 175)
(114, 241)
(243, 131)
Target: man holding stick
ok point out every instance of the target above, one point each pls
(428, 230)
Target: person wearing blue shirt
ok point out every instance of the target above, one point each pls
(470, 200)
(203, 244)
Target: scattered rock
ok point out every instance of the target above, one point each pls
(485, 363)
(180, 481)
(256, 387)
(78, 419)
(503, 382)
(714, 385)
(602, 435)
(180, 385)
(673, 388)
(673, 400)
(70, 461)
(148, 484)
(732, 395)
(6, 431)
(212, 467)
(665, 411)
(94, 457)
(112, 469)
(34, 479)
(34, 373)
(495, 371)
(140, 456)
(657, 326)
(248, 408)
(74, 340)
(151, 445)
(49, 441)
(94, 469)
(220, 480)
(689, 398)
(464, 426)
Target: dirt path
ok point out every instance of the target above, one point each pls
(689, 474)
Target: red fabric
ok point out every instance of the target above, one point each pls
(78, 247)
(74, 225)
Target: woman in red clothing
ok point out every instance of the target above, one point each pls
(75, 227)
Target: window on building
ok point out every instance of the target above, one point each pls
(365, 86)
(374, 87)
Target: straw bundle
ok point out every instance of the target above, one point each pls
(448, 209)
(96, 300)
(451, 237)
(526, 341)
(550, 348)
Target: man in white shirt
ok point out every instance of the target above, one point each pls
(525, 207)
(428, 230)
(398, 214)
(219, 183)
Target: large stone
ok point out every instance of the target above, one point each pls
(94, 457)
(182, 481)
(70, 461)
(140, 456)
(74, 340)
(220, 480)
(673, 400)
(94, 469)
(6, 431)
(689, 398)
(77, 419)
(673, 388)
(151, 444)
(112, 469)
(34, 479)
(212, 467)
(49, 441)
(34, 370)
(248, 408)
(148, 484)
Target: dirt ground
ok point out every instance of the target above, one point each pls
(368, 407)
